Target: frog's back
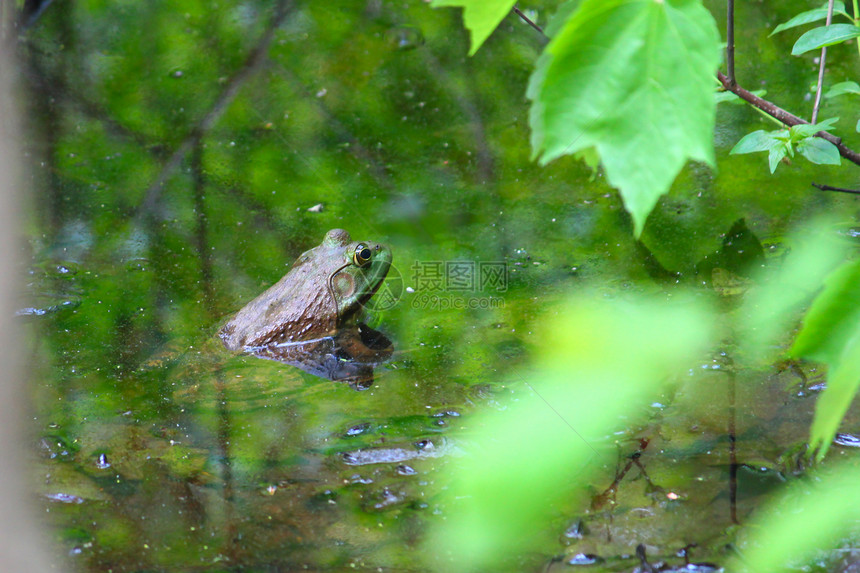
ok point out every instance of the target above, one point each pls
(297, 307)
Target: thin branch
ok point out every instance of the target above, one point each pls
(821, 66)
(31, 11)
(262, 213)
(733, 447)
(839, 189)
(528, 20)
(787, 118)
(730, 42)
(55, 86)
(466, 102)
(201, 233)
(252, 64)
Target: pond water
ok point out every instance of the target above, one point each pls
(184, 154)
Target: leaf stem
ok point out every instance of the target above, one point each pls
(821, 63)
(856, 20)
(531, 23)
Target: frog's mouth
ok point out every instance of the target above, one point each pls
(363, 298)
(378, 284)
(362, 301)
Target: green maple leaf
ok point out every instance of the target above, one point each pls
(633, 79)
(480, 17)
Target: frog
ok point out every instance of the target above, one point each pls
(323, 292)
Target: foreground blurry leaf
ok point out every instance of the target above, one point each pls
(770, 311)
(480, 17)
(554, 432)
(811, 516)
(831, 334)
(633, 79)
(824, 36)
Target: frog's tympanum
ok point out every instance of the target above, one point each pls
(309, 318)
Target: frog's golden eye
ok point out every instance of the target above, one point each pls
(362, 255)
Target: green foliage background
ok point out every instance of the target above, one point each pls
(172, 174)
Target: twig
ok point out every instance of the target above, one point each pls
(733, 448)
(786, 117)
(31, 11)
(201, 234)
(262, 212)
(54, 86)
(252, 63)
(466, 102)
(821, 66)
(839, 189)
(730, 42)
(528, 20)
(376, 167)
(600, 499)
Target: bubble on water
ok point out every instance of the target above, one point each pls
(49, 307)
(848, 440)
(358, 429)
(584, 559)
(102, 462)
(62, 269)
(65, 498)
(405, 470)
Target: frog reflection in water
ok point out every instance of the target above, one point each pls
(309, 318)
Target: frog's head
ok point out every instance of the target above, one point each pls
(362, 268)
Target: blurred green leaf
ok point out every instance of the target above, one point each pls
(770, 310)
(843, 380)
(811, 515)
(480, 17)
(547, 440)
(810, 16)
(629, 78)
(843, 88)
(834, 318)
(824, 36)
(559, 19)
(831, 334)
